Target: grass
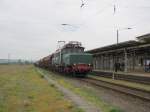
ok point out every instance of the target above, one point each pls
(125, 83)
(23, 90)
(86, 93)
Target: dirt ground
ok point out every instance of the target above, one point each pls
(123, 102)
(86, 94)
(79, 101)
(22, 89)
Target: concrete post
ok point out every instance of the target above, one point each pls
(96, 65)
(117, 36)
(125, 60)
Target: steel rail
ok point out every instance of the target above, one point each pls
(137, 93)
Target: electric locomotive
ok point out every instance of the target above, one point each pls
(69, 59)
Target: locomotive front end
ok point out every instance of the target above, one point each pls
(80, 63)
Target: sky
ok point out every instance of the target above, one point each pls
(30, 29)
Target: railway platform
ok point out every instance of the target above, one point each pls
(129, 76)
(142, 74)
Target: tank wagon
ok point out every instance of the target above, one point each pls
(69, 59)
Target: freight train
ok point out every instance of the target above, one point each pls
(68, 59)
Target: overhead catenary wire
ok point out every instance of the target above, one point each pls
(113, 4)
(139, 7)
(82, 4)
(108, 5)
(134, 25)
(97, 13)
(114, 9)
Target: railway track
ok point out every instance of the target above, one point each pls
(134, 92)
(119, 76)
(130, 91)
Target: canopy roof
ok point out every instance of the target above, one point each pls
(144, 38)
(126, 44)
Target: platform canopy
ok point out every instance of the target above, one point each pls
(120, 45)
(144, 38)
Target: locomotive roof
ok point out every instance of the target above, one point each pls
(71, 44)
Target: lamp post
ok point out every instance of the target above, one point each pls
(118, 33)
(113, 76)
(125, 51)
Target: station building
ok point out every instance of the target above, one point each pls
(131, 56)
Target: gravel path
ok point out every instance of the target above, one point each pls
(80, 102)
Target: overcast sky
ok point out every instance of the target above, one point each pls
(30, 29)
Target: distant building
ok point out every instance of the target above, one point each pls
(3, 61)
(14, 61)
(130, 56)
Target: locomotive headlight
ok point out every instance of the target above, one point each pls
(74, 64)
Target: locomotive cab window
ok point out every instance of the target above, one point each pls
(73, 50)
